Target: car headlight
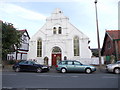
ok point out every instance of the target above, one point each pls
(109, 66)
(93, 67)
(44, 67)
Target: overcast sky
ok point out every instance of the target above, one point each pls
(31, 15)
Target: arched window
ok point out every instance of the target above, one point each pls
(76, 46)
(54, 30)
(39, 48)
(56, 50)
(59, 30)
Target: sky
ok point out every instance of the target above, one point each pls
(32, 14)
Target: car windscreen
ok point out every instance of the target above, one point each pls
(118, 62)
(23, 62)
(36, 63)
(62, 62)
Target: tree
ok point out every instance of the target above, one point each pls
(95, 52)
(11, 39)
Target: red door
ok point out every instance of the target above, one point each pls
(55, 58)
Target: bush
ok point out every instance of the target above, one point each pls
(11, 62)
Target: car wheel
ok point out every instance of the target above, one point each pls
(39, 70)
(17, 69)
(63, 70)
(88, 70)
(116, 70)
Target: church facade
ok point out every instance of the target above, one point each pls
(58, 40)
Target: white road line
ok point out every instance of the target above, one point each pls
(7, 87)
(109, 77)
(9, 74)
(56, 76)
(48, 76)
(43, 75)
(74, 76)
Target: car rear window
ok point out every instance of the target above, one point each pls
(76, 63)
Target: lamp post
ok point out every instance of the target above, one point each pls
(99, 50)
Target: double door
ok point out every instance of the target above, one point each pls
(55, 59)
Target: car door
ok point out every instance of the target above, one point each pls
(23, 65)
(31, 66)
(78, 66)
(119, 64)
(70, 66)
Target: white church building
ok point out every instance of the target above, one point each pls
(58, 40)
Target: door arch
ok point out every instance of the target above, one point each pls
(56, 55)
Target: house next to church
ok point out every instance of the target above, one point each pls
(21, 52)
(58, 40)
(111, 45)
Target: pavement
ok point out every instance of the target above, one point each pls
(7, 68)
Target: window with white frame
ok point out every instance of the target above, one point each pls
(76, 46)
(54, 30)
(39, 48)
(59, 30)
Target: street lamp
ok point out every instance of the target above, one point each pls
(99, 50)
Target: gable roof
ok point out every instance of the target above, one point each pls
(113, 34)
(23, 31)
(57, 14)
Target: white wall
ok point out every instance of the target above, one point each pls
(63, 41)
(93, 61)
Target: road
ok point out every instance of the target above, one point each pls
(54, 79)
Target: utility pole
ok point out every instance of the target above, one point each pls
(99, 50)
(116, 50)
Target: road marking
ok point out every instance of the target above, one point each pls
(9, 74)
(7, 87)
(43, 75)
(109, 77)
(74, 76)
(56, 76)
(48, 76)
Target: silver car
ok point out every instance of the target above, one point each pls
(72, 65)
(115, 68)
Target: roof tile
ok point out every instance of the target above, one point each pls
(114, 34)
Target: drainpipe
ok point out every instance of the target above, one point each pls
(116, 49)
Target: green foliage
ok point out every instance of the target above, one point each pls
(11, 39)
(95, 52)
(11, 62)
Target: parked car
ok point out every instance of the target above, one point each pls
(72, 65)
(115, 68)
(30, 66)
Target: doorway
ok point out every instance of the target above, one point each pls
(56, 55)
